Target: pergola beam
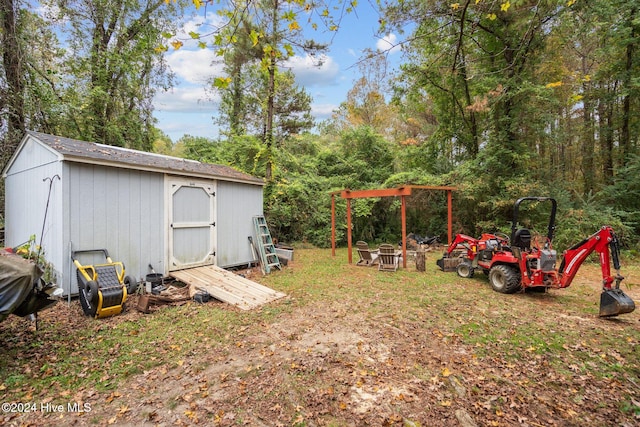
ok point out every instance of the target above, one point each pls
(363, 194)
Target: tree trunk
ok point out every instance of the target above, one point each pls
(420, 260)
(271, 88)
(236, 118)
(588, 143)
(605, 119)
(625, 136)
(12, 62)
(13, 97)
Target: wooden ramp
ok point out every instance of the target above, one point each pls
(227, 286)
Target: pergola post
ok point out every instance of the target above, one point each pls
(403, 215)
(349, 229)
(333, 224)
(449, 216)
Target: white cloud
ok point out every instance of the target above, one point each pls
(323, 111)
(388, 43)
(186, 99)
(203, 25)
(308, 73)
(192, 63)
(176, 125)
(194, 66)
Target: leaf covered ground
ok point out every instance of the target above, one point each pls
(348, 346)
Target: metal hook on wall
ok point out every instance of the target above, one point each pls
(44, 221)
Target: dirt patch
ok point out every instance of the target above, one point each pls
(374, 357)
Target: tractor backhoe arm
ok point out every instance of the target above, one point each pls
(613, 301)
(462, 240)
(472, 244)
(605, 242)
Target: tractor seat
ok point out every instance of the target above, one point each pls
(522, 239)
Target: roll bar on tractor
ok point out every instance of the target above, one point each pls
(552, 216)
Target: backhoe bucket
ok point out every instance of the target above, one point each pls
(614, 302)
(448, 264)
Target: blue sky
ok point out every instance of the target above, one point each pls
(188, 108)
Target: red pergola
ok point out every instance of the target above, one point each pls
(402, 192)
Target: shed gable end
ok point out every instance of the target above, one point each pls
(31, 154)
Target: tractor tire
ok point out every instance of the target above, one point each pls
(464, 269)
(504, 279)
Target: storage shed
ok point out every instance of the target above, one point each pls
(144, 208)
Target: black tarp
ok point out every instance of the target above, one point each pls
(17, 276)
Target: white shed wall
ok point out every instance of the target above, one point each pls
(116, 209)
(27, 191)
(237, 204)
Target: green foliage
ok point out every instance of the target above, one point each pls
(368, 155)
(258, 99)
(245, 153)
(298, 202)
(102, 92)
(501, 100)
(309, 168)
(489, 109)
(33, 252)
(424, 158)
(623, 195)
(244, 102)
(300, 211)
(584, 218)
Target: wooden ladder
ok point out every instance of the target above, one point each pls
(266, 248)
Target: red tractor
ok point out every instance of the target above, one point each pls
(467, 253)
(517, 263)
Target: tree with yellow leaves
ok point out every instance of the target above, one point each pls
(276, 29)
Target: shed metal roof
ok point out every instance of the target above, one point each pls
(88, 152)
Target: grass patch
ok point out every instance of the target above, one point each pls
(102, 354)
(520, 341)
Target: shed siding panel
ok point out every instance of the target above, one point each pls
(237, 204)
(152, 223)
(109, 209)
(27, 192)
(32, 154)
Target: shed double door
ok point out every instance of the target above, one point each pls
(191, 223)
